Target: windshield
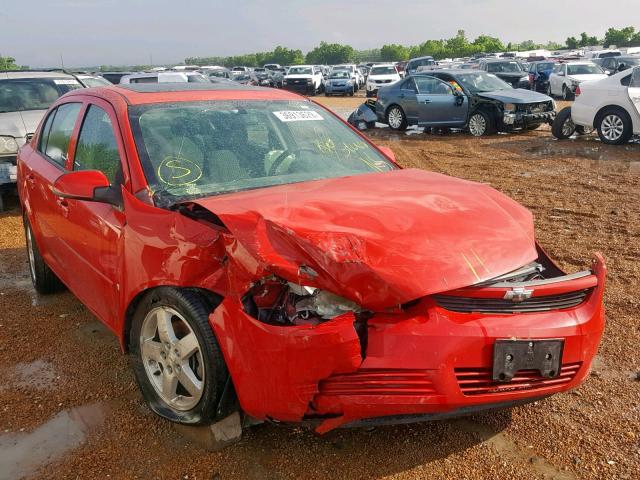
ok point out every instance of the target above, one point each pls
(300, 71)
(195, 149)
(504, 67)
(630, 61)
(340, 74)
(95, 81)
(482, 82)
(383, 71)
(585, 69)
(33, 93)
(543, 67)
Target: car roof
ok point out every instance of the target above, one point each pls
(143, 93)
(16, 74)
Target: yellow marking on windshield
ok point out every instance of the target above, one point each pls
(178, 171)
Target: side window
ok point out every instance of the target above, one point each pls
(44, 134)
(409, 85)
(97, 147)
(57, 147)
(635, 78)
(432, 86)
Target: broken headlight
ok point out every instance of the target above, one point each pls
(279, 302)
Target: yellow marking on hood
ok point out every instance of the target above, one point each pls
(473, 270)
(480, 261)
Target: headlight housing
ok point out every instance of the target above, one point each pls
(509, 107)
(276, 301)
(8, 145)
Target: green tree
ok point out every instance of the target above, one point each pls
(485, 43)
(572, 43)
(394, 53)
(330, 54)
(619, 38)
(8, 63)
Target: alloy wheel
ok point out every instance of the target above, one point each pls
(612, 127)
(172, 358)
(477, 125)
(32, 257)
(395, 118)
(568, 127)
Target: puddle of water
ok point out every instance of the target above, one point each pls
(39, 375)
(508, 449)
(21, 454)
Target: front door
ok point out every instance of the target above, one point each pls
(408, 100)
(437, 103)
(94, 230)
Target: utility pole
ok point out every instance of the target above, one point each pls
(62, 61)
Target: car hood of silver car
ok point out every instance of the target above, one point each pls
(516, 95)
(19, 124)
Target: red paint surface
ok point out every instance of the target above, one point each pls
(379, 239)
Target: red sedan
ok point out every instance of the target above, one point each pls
(253, 252)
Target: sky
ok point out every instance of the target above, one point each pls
(129, 32)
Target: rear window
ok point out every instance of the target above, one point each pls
(585, 69)
(33, 93)
(383, 71)
(543, 67)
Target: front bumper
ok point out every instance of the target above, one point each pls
(303, 88)
(338, 88)
(424, 362)
(8, 170)
(522, 120)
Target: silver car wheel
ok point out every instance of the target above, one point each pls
(568, 127)
(172, 358)
(395, 118)
(32, 257)
(612, 127)
(477, 125)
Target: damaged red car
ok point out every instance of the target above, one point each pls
(254, 253)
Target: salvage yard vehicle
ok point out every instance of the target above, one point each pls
(539, 73)
(511, 71)
(339, 82)
(611, 106)
(412, 65)
(25, 96)
(465, 99)
(263, 77)
(253, 252)
(612, 65)
(306, 79)
(165, 77)
(353, 71)
(380, 75)
(566, 77)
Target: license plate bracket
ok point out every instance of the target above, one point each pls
(510, 356)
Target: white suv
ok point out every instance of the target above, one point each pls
(305, 79)
(379, 75)
(566, 77)
(611, 106)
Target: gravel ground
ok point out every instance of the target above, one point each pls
(69, 407)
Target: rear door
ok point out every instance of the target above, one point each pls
(437, 103)
(634, 89)
(93, 230)
(42, 168)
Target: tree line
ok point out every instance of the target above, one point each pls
(454, 47)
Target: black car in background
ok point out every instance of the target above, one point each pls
(511, 71)
(539, 73)
(613, 65)
(468, 99)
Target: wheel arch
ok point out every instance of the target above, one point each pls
(612, 106)
(212, 298)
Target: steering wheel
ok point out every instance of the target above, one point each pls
(277, 162)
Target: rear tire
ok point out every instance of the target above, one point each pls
(179, 386)
(42, 277)
(396, 119)
(614, 126)
(563, 126)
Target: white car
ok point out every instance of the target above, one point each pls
(611, 106)
(566, 77)
(165, 77)
(306, 79)
(379, 75)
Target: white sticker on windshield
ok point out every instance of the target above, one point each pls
(65, 82)
(298, 116)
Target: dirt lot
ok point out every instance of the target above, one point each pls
(69, 407)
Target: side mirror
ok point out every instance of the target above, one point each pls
(459, 97)
(388, 153)
(561, 74)
(88, 185)
(607, 72)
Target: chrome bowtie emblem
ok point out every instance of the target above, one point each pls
(518, 294)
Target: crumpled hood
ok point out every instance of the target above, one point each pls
(516, 95)
(18, 124)
(381, 239)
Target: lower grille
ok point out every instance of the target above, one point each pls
(379, 382)
(478, 381)
(499, 305)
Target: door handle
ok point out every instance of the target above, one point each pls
(426, 101)
(402, 95)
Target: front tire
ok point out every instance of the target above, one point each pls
(480, 124)
(614, 126)
(396, 119)
(175, 356)
(567, 94)
(42, 277)
(563, 126)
